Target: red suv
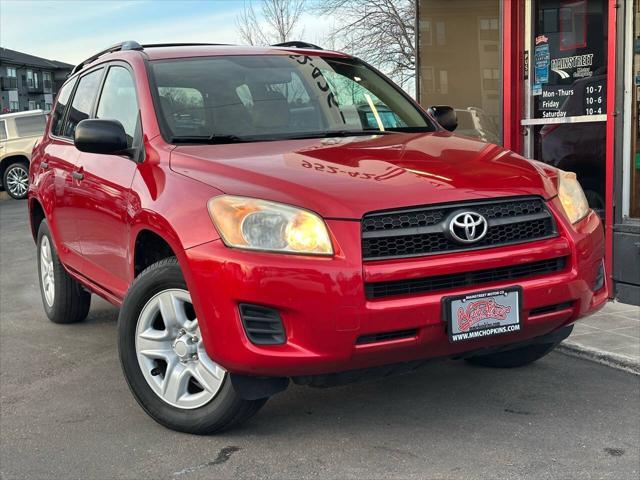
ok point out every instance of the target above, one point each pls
(286, 213)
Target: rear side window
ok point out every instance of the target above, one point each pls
(118, 100)
(61, 104)
(3, 130)
(30, 126)
(82, 101)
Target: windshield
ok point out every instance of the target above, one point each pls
(262, 97)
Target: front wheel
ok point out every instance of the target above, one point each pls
(16, 180)
(164, 360)
(518, 357)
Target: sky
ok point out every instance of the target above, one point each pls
(71, 31)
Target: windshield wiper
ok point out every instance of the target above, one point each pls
(411, 129)
(211, 139)
(221, 139)
(337, 133)
(355, 133)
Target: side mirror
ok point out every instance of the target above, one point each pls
(101, 136)
(446, 116)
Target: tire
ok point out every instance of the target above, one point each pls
(16, 180)
(158, 309)
(514, 358)
(64, 300)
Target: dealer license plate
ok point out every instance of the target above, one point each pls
(483, 314)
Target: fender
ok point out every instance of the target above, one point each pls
(179, 216)
(175, 205)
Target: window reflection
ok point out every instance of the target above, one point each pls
(459, 48)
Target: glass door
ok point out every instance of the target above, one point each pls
(631, 153)
(565, 90)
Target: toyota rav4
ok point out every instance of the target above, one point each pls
(286, 213)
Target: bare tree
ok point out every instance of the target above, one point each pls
(276, 22)
(381, 32)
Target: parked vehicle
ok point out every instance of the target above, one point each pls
(18, 134)
(254, 231)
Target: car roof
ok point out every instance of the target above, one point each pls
(27, 113)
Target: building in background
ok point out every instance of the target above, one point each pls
(554, 80)
(28, 82)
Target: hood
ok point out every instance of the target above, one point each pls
(348, 177)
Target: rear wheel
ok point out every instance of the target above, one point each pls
(63, 299)
(514, 358)
(164, 360)
(16, 180)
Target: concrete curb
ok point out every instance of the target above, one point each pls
(603, 357)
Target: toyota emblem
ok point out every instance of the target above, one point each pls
(467, 227)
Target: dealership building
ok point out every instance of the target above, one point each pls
(554, 80)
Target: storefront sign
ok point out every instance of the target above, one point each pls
(541, 59)
(568, 82)
(581, 63)
(595, 100)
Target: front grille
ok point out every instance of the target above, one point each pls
(423, 231)
(465, 279)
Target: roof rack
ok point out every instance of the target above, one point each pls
(160, 45)
(133, 45)
(128, 45)
(297, 44)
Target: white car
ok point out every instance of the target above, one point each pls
(19, 132)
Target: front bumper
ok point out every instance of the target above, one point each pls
(324, 310)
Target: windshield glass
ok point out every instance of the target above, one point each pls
(253, 97)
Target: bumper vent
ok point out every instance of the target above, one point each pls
(386, 337)
(262, 325)
(422, 231)
(550, 309)
(465, 279)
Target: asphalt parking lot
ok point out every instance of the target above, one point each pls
(66, 411)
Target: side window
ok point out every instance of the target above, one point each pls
(118, 100)
(82, 101)
(30, 126)
(61, 104)
(3, 130)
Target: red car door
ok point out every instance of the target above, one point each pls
(104, 183)
(56, 184)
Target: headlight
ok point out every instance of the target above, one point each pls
(261, 225)
(571, 196)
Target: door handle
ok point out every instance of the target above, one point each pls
(77, 175)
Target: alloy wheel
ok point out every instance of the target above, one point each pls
(17, 181)
(171, 354)
(46, 271)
